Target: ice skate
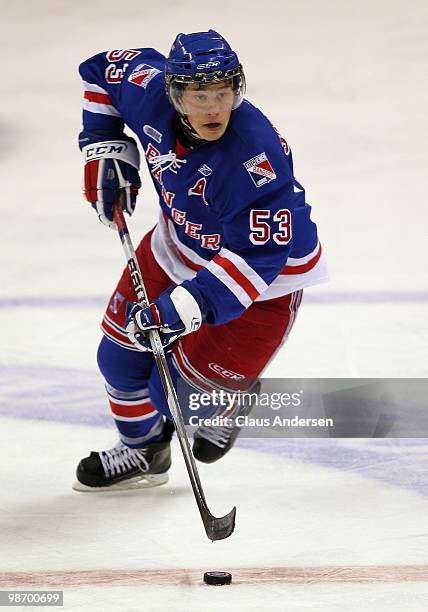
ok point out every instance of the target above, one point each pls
(122, 468)
(211, 443)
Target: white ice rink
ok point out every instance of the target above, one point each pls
(322, 525)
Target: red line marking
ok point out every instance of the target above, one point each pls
(245, 575)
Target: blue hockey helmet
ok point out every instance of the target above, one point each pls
(202, 58)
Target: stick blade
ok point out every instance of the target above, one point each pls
(219, 528)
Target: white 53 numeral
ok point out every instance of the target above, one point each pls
(261, 230)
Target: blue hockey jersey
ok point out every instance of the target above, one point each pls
(234, 220)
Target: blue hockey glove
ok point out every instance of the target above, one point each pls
(175, 313)
(111, 165)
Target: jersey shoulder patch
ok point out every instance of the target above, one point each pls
(260, 169)
(142, 74)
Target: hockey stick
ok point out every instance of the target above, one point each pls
(217, 528)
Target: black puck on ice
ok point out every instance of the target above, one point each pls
(217, 578)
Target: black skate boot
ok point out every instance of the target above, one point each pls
(211, 443)
(122, 468)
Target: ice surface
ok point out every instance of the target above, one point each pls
(322, 525)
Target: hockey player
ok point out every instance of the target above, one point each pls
(227, 261)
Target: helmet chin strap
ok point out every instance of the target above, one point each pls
(187, 135)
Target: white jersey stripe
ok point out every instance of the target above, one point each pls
(299, 261)
(245, 268)
(285, 284)
(102, 109)
(120, 330)
(129, 347)
(230, 283)
(194, 257)
(167, 253)
(94, 88)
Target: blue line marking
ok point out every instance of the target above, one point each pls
(47, 393)
(74, 396)
(311, 298)
(397, 461)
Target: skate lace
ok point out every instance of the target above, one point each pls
(219, 435)
(169, 161)
(120, 458)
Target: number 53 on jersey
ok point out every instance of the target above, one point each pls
(262, 230)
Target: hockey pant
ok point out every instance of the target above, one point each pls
(214, 357)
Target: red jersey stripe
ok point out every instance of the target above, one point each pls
(287, 270)
(237, 276)
(100, 98)
(116, 334)
(189, 263)
(304, 267)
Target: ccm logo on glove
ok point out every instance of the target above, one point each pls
(99, 151)
(111, 166)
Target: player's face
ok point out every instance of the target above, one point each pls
(208, 109)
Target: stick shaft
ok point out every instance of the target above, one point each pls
(216, 528)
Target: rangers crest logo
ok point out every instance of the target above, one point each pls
(142, 75)
(260, 170)
(116, 302)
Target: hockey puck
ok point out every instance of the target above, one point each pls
(217, 578)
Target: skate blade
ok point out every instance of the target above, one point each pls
(133, 484)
